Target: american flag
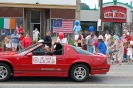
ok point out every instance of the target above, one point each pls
(65, 26)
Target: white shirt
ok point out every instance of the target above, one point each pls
(89, 36)
(35, 33)
(107, 36)
(77, 36)
(64, 40)
(131, 42)
(129, 51)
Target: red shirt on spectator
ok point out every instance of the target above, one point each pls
(125, 50)
(21, 38)
(26, 42)
(95, 44)
(20, 30)
(1, 49)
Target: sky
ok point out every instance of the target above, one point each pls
(95, 2)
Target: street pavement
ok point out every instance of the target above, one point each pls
(117, 77)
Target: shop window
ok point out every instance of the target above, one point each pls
(118, 28)
(53, 34)
(85, 27)
(108, 26)
(113, 28)
(35, 16)
(19, 21)
(4, 31)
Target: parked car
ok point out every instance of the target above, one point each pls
(65, 61)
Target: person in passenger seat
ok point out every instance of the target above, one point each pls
(47, 50)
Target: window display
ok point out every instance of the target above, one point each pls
(85, 26)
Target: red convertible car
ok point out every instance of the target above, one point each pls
(66, 61)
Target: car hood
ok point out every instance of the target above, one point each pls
(8, 53)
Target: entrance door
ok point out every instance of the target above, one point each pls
(37, 26)
(35, 21)
(33, 26)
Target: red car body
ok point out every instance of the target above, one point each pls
(21, 63)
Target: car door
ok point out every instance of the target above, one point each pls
(45, 65)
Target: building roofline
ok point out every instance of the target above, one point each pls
(24, 5)
(126, 4)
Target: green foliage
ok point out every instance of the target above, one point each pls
(35, 41)
(71, 41)
(84, 6)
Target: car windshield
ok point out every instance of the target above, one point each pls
(81, 51)
(26, 49)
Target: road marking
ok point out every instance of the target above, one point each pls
(73, 84)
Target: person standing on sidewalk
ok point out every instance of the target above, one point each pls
(15, 41)
(89, 44)
(7, 42)
(130, 54)
(121, 51)
(27, 41)
(101, 45)
(35, 34)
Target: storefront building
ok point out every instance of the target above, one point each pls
(37, 13)
(114, 15)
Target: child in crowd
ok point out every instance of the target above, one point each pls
(129, 54)
(115, 48)
(95, 45)
(121, 51)
(125, 52)
(109, 49)
(101, 45)
(21, 39)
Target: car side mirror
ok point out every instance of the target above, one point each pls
(29, 54)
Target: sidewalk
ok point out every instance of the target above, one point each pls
(123, 63)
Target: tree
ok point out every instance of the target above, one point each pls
(84, 6)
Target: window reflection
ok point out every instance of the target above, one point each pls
(85, 26)
(53, 34)
(19, 21)
(113, 28)
(118, 29)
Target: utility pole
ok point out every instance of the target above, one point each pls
(131, 21)
(101, 6)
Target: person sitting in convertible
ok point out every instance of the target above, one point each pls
(47, 50)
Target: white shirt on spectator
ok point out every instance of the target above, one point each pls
(35, 34)
(89, 36)
(64, 40)
(78, 37)
(131, 42)
(107, 36)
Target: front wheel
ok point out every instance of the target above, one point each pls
(5, 72)
(79, 73)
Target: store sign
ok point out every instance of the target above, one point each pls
(114, 14)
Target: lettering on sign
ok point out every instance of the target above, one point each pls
(114, 14)
(44, 60)
(50, 69)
